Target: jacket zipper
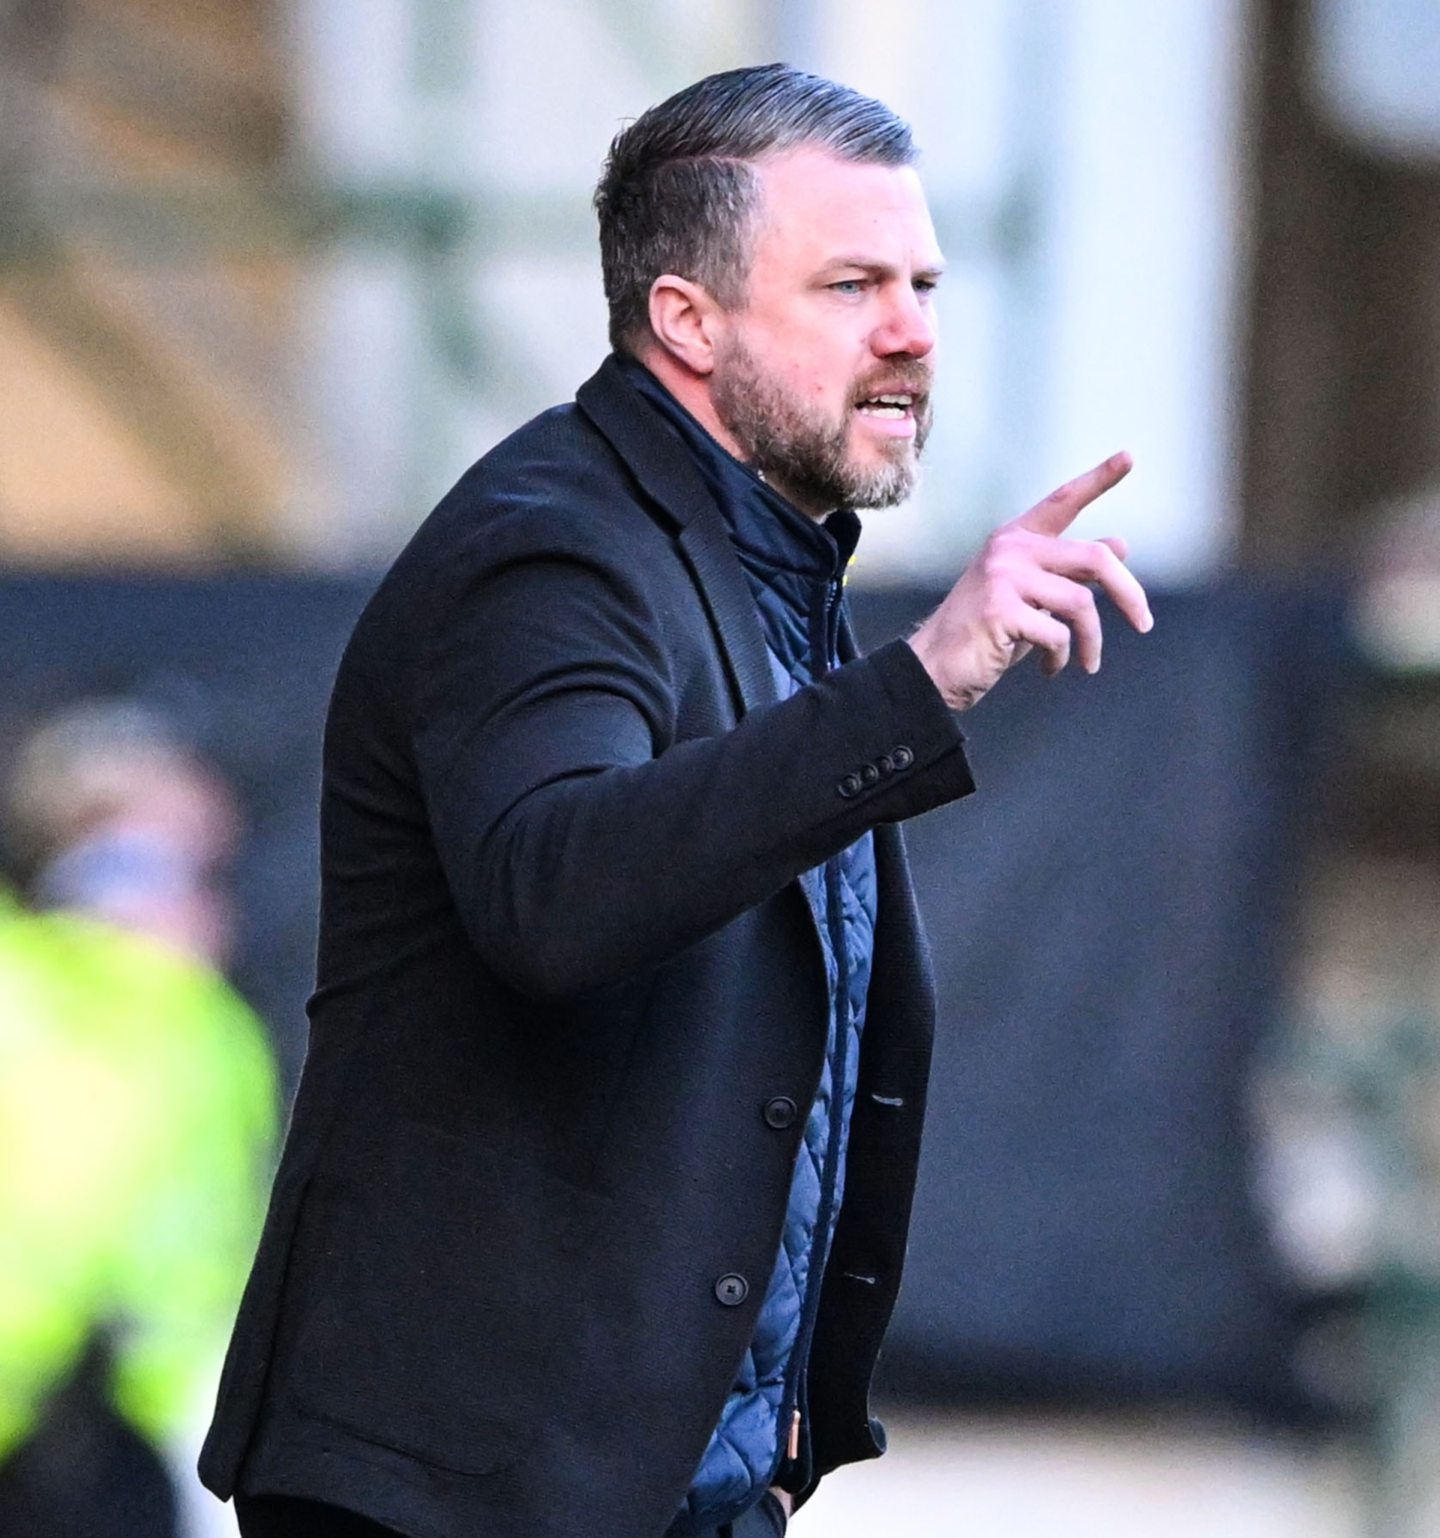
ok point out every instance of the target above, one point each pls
(795, 1396)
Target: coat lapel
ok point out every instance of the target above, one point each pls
(665, 471)
(849, 647)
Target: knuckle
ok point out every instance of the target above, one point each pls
(993, 613)
(996, 566)
(1077, 603)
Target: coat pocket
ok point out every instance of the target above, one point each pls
(443, 1278)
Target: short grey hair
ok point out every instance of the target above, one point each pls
(679, 191)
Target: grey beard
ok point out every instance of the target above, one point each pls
(801, 452)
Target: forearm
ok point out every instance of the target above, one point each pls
(596, 875)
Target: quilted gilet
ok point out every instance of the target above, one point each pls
(795, 569)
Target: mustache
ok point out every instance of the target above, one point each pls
(910, 378)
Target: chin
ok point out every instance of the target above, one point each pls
(900, 462)
(886, 479)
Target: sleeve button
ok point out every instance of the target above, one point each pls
(885, 764)
(732, 1289)
(902, 758)
(849, 786)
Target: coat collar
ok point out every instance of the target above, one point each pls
(669, 476)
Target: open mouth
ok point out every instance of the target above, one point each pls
(888, 407)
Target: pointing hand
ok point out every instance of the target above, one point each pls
(1028, 589)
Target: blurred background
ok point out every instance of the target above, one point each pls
(274, 272)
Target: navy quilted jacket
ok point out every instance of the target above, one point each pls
(795, 568)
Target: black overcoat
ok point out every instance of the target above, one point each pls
(531, 1195)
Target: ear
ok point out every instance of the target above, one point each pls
(685, 322)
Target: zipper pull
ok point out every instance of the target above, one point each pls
(792, 1451)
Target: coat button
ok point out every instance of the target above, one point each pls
(870, 775)
(849, 786)
(902, 758)
(780, 1112)
(885, 764)
(732, 1289)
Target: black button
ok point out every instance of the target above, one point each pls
(732, 1289)
(902, 758)
(780, 1112)
(849, 786)
(870, 775)
(885, 764)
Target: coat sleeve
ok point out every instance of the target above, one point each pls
(581, 840)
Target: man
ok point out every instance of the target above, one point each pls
(594, 1203)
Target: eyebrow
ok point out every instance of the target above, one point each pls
(881, 269)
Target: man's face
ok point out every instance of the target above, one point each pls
(838, 316)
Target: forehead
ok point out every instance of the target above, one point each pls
(818, 207)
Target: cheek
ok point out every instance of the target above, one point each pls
(828, 378)
(811, 364)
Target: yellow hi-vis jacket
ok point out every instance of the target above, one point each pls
(137, 1121)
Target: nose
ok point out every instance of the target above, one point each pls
(908, 328)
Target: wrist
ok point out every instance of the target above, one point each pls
(954, 698)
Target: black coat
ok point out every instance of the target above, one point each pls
(565, 967)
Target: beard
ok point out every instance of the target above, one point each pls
(804, 451)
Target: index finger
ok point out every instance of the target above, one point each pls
(1058, 511)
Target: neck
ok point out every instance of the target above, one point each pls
(692, 390)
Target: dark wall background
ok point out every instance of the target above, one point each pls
(1107, 916)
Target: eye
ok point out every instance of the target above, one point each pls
(926, 285)
(847, 286)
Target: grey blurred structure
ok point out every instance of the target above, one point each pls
(288, 268)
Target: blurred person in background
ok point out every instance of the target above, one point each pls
(594, 1204)
(137, 1119)
(113, 816)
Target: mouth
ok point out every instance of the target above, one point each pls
(893, 414)
(888, 407)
